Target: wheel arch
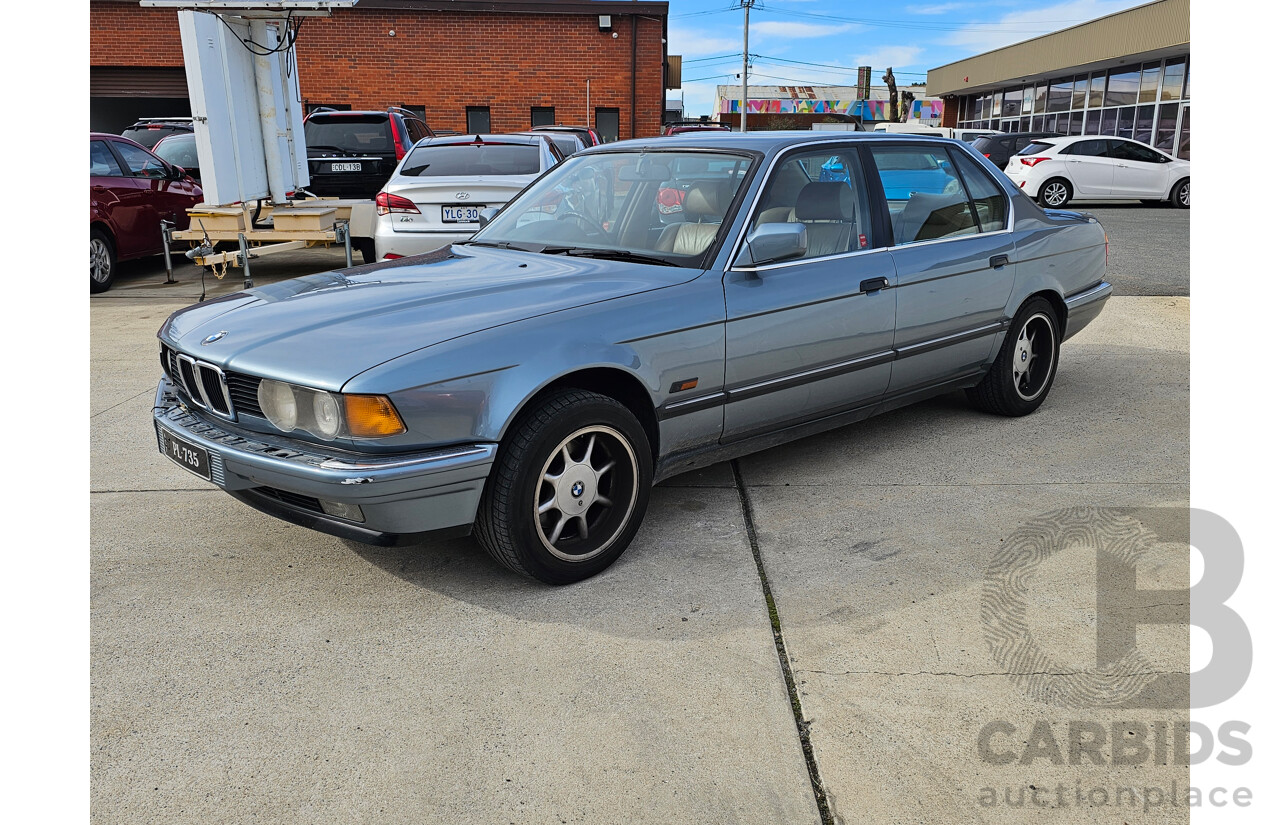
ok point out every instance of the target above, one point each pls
(1055, 300)
(106, 230)
(614, 382)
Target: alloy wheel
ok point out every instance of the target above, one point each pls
(1033, 357)
(99, 260)
(585, 493)
(1055, 194)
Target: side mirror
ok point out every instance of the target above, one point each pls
(773, 242)
(176, 172)
(487, 215)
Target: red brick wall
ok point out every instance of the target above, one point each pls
(444, 61)
(125, 34)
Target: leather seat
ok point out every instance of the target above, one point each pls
(826, 208)
(704, 208)
(926, 217)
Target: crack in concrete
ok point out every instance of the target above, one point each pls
(802, 727)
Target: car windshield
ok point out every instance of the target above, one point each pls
(651, 207)
(350, 133)
(452, 159)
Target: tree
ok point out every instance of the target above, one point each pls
(892, 83)
(907, 99)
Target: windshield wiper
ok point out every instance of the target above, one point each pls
(523, 247)
(607, 254)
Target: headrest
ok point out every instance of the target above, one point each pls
(825, 201)
(707, 199)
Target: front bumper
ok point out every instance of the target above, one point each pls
(400, 495)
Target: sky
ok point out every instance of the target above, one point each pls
(789, 36)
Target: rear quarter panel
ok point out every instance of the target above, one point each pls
(1058, 250)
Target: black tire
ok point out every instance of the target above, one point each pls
(102, 260)
(1048, 196)
(1180, 194)
(547, 543)
(366, 248)
(1002, 391)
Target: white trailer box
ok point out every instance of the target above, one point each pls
(248, 118)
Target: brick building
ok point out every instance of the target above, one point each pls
(462, 64)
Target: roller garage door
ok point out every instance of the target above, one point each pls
(120, 95)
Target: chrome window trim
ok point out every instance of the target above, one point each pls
(742, 233)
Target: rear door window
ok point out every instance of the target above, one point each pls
(926, 198)
(102, 164)
(354, 134)
(472, 159)
(990, 202)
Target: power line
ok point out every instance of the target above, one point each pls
(922, 26)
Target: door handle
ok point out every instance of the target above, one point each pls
(874, 284)
(998, 261)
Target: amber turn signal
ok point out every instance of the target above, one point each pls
(372, 416)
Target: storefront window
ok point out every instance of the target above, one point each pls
(1037, 123)
(1109, 118)
(1076, 123)
(1097, 88)
(1028, 99)
(1174, 75)
(1184, 142)
(1024, 125)
(1060, 96)
(1145, 121)
(1165, 126)
(1125, 126)
(1042, 94)
(1080, 92)
(1012, 106)
(1122, 86)
(1150, 87)
(1092, 122)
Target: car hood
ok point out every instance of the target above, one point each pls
(322, 330)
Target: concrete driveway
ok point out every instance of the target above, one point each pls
(247, 670)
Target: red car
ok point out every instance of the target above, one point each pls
(130, 192)
(679, 129)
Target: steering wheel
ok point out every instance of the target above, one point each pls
(588, 226)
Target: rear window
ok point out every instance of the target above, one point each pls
(983, 143)
(355, 133)
(149, 136)
(1035, 148)
(472, 159)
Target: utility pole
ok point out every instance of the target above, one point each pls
(746, 25)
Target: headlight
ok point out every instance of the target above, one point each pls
(328, 415)
(278, 404)
(327, 418)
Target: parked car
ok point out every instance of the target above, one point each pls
(130, 192)
(149, 131)
(588, 136)
(569, 143)
(1088, 167)
(999, 147)
(438, 191)
(352, 154)
(687, 128)
(966, 135)
(534, 382)
(180, 150)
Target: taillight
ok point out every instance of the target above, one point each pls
(391, 256)
(986, 155)
(388, 203)
(1032, 161)
(395, 136)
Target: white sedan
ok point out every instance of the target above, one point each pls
(435, 196)
(1092, 167)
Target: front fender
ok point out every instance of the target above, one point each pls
(472, 388)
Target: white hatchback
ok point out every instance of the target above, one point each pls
(436, 194)
(1093, 167)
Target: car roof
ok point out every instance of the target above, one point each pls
(761, 141)
(560, 128)
(532, 140)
